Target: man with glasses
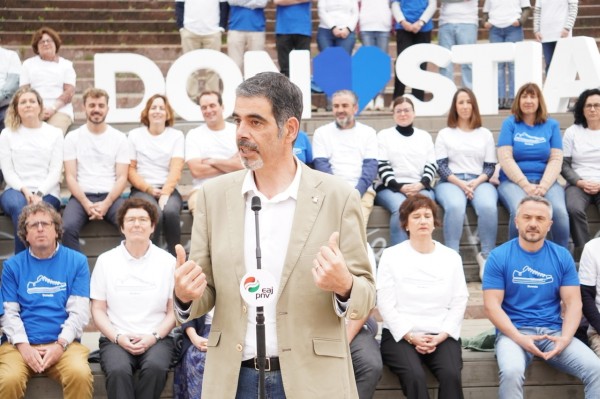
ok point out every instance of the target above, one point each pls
(46, 291)
(96, 159)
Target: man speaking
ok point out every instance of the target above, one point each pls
(313, 244)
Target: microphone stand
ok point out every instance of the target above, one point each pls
(261, 350)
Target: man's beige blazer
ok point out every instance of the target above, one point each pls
(313, 348)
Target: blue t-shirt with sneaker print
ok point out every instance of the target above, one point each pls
(531, 145)
(531, 282)
(42, 288)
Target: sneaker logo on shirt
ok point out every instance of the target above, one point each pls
(528, 139)
(45, 285)
(531, 276)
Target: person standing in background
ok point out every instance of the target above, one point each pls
(458, 24)
(198, 23)
(504, 19)
(553, 20)
(293, 29)
(413, 26)
(375, 21)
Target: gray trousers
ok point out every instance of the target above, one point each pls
(577, 204)
(366, 360)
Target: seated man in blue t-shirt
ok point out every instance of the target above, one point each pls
(524, 282)
(45, 291)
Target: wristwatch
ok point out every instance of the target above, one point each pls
(155, 334)
(39, 194)
(64, 346)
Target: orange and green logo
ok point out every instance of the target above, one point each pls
(251, 284)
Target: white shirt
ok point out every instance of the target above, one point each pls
(154, 153)
(583, 146)
(136, 291)
(201, 17)
(466, 151)
(9, 64)
(407, 155)
(459, 12)
(502, 13)
(421, 293)
(341, 13)
(553, 18)
(375, 16)
(48, 79)
(275, 218)
(97, 156)
(345, 149)
(202, 142)
(32, 158)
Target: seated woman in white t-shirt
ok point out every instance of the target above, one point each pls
(132, 305)
(466, 158)
(31, 155)
(580, 167)
(52, 76)
(157, 155)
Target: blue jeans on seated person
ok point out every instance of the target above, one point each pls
(454, 202)
(576, 359)
(391, 201)
(326, 39)
(247, 387)
(510, 194)
(75, 218)
(13, 202)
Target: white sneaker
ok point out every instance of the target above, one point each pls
(379, 103)
(481, 259)
(370, 106)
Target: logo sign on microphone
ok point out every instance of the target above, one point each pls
(258, 288)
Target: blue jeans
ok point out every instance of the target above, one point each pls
(510, 34)
(510, 194)
(377, 39)
(454, 202)
(13, 202)
(576, 359)
(326, 39)
(453, 34)
(391, 201)
(169, 220)
(548, 50)
(247, 387)
(75, 218)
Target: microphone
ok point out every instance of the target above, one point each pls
(256, 207)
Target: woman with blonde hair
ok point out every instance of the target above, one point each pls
(31, 156)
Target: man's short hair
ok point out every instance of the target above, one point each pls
(285, 97)
(94, 92)
(535, 198)
(209, 93)
(137, 203)
(40, 207)
(346, 92)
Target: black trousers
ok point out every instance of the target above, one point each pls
(404, 361)
(285, 44)
(119, 367)
(404, 40)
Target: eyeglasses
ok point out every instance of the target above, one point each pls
(403, 111)
(36, 225)
(46, 41)
(140, 220)
(590, 106)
